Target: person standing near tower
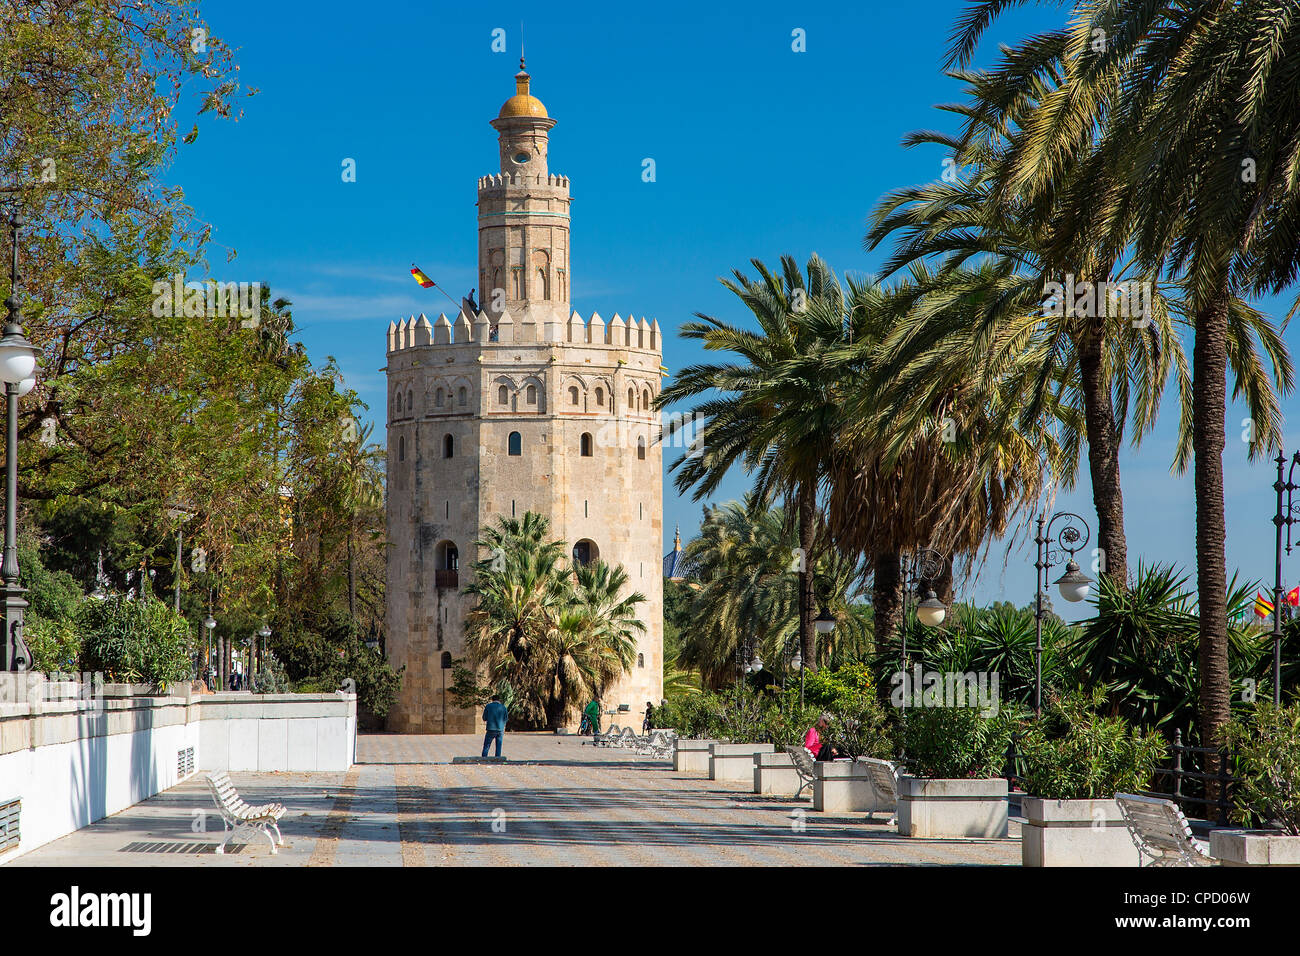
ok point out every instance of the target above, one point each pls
(494, 716)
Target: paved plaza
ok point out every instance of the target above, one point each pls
(556, 802)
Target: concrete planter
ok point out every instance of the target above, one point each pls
(952, 808)
(692, 756)
(844, 786)
(775, 773)
(1075, 833)
(1254, 848)
(735, 761)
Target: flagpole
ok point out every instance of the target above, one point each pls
(459, 305)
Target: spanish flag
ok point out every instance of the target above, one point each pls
(664, 373)
(1263, 606)
(420, 277)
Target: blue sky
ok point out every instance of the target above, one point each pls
(759, 151)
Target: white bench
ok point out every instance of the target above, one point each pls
(804, 766)
(609, 738)
(239, 818)
(884, 777)
(1160, 831)
(658, 744)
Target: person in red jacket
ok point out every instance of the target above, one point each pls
(813, 743)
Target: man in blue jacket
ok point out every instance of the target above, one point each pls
(494, 715)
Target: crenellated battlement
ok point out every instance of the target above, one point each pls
(530, 329)
(499, 180)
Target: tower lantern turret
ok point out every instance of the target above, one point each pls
(523, 215)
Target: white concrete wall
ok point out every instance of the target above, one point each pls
(299, 732)
(80, 766)
(75, 761)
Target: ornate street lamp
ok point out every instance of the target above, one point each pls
(209, 623)
(922, 570)
(1285, 516)
(17, 367)
(1074, 585)
(180, 514)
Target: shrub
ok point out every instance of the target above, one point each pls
(955, 742)
(859, 730)
(55, 644)
(1075, 753)
(139, 641)
(1267, 746)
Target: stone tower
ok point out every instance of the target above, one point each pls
(519, 406)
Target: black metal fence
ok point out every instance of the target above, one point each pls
(1187, 783)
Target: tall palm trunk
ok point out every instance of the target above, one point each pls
(352, 578)
(1209, 397)
(807, 527)
(887, 598)
(1103, 457)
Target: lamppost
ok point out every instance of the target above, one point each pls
(1073, 584)
(1285, 515)
(180, 514)
(264, 632)
(101, 579)
(922, 570)
(824, 625)
(209, 623)
(748, 660)
(17, 371)
(795, 663)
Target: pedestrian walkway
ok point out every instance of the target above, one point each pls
(557, 802)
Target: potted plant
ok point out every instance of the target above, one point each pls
(950, 785)
(1266, 744)
(1075, 760)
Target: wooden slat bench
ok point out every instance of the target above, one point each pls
(884, 777)
(1161, 832)
(239, 818)
(804, 766)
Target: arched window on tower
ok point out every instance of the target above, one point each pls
(401, 449)
(573, 395)
(584, 445)
(645, 400)
(446, 565)
(631, 401)
(544, 283)
(462, 396)
(410, 400)
(531, 395)
(449, 446)
(437, 398)
(514, 444)
(514, 278)
(503, 396)
(600, 397)
(640, 448)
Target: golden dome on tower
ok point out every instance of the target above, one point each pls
(522, 103)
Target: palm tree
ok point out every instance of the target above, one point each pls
(930, 454)
(778, 426)
(1195, 170)
(522, 590)
(558, 634)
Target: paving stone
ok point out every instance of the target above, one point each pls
(555, 801)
